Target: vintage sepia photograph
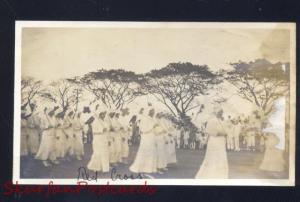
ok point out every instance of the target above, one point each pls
(165, 103)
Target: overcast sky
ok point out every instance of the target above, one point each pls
(52, 53)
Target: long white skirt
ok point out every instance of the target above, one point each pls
(111, 147)
(146, 157)
(118, 147)
(161, 147)
(78, 144)
(70, 141)
(100, 157)
(47, 147)
(33, 140)
(215, 163)
(61, 146)
(273, 159)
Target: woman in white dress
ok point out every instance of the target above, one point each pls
(185, 139)
(177, 134)
(78, 131)
(60, 137)
(229, 136)
(125, 134)
(47, 147)
(274, 139)
(160, 133)
(254, 128)
(117, 138)
(69, 134)
(111, 138)
(215, 163)
(33, 131)
(170, 140)
(236, 133)
(100, 157)
(146, 157)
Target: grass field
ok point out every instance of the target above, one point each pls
(242, 165)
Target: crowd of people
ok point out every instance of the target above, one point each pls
(55, 135)
(51, 136)
(224, 135)
(242, 133)
(157, 143)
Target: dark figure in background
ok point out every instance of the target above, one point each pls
(197, 141)
(89, 133)
(192, 140)
(135, 138)
(181, 143)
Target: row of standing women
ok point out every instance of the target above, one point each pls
(157, 145)
(111, 134)
(51, 137)
(54, 137)
(215, 164)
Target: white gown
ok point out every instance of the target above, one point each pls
(146, 157)
(215, 163)
(161, 146)
(230, 135)
(69, 133)
(78, 131)
(177, 134)
(236, 135)
(171, 150)
(100, 158)
(111, 140)
(125, 134)
(186, 139)
(170, 139)
(117, 144)
(60, 140)
(47, 147)
(277, 123)
(274, 145)
(33, 133)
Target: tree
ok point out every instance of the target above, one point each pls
(64, 93)
(114, 88)
(30, 88)
(76, 90)
(260, 82)
(178, 84)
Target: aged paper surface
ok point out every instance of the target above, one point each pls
(166, 103)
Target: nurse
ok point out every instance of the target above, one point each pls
(146, 157)
(100, 157)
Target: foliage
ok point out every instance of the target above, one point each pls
(30, 88)
(114, 88)
(260, 82)
(178, 84)
(64, 93)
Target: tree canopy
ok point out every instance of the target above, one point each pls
(30, 88)
(260, 82)
(114, 87)
(64, 93)
(177, 85)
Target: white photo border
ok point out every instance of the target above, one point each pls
(19, 25)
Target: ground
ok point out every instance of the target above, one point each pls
(242, 165)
